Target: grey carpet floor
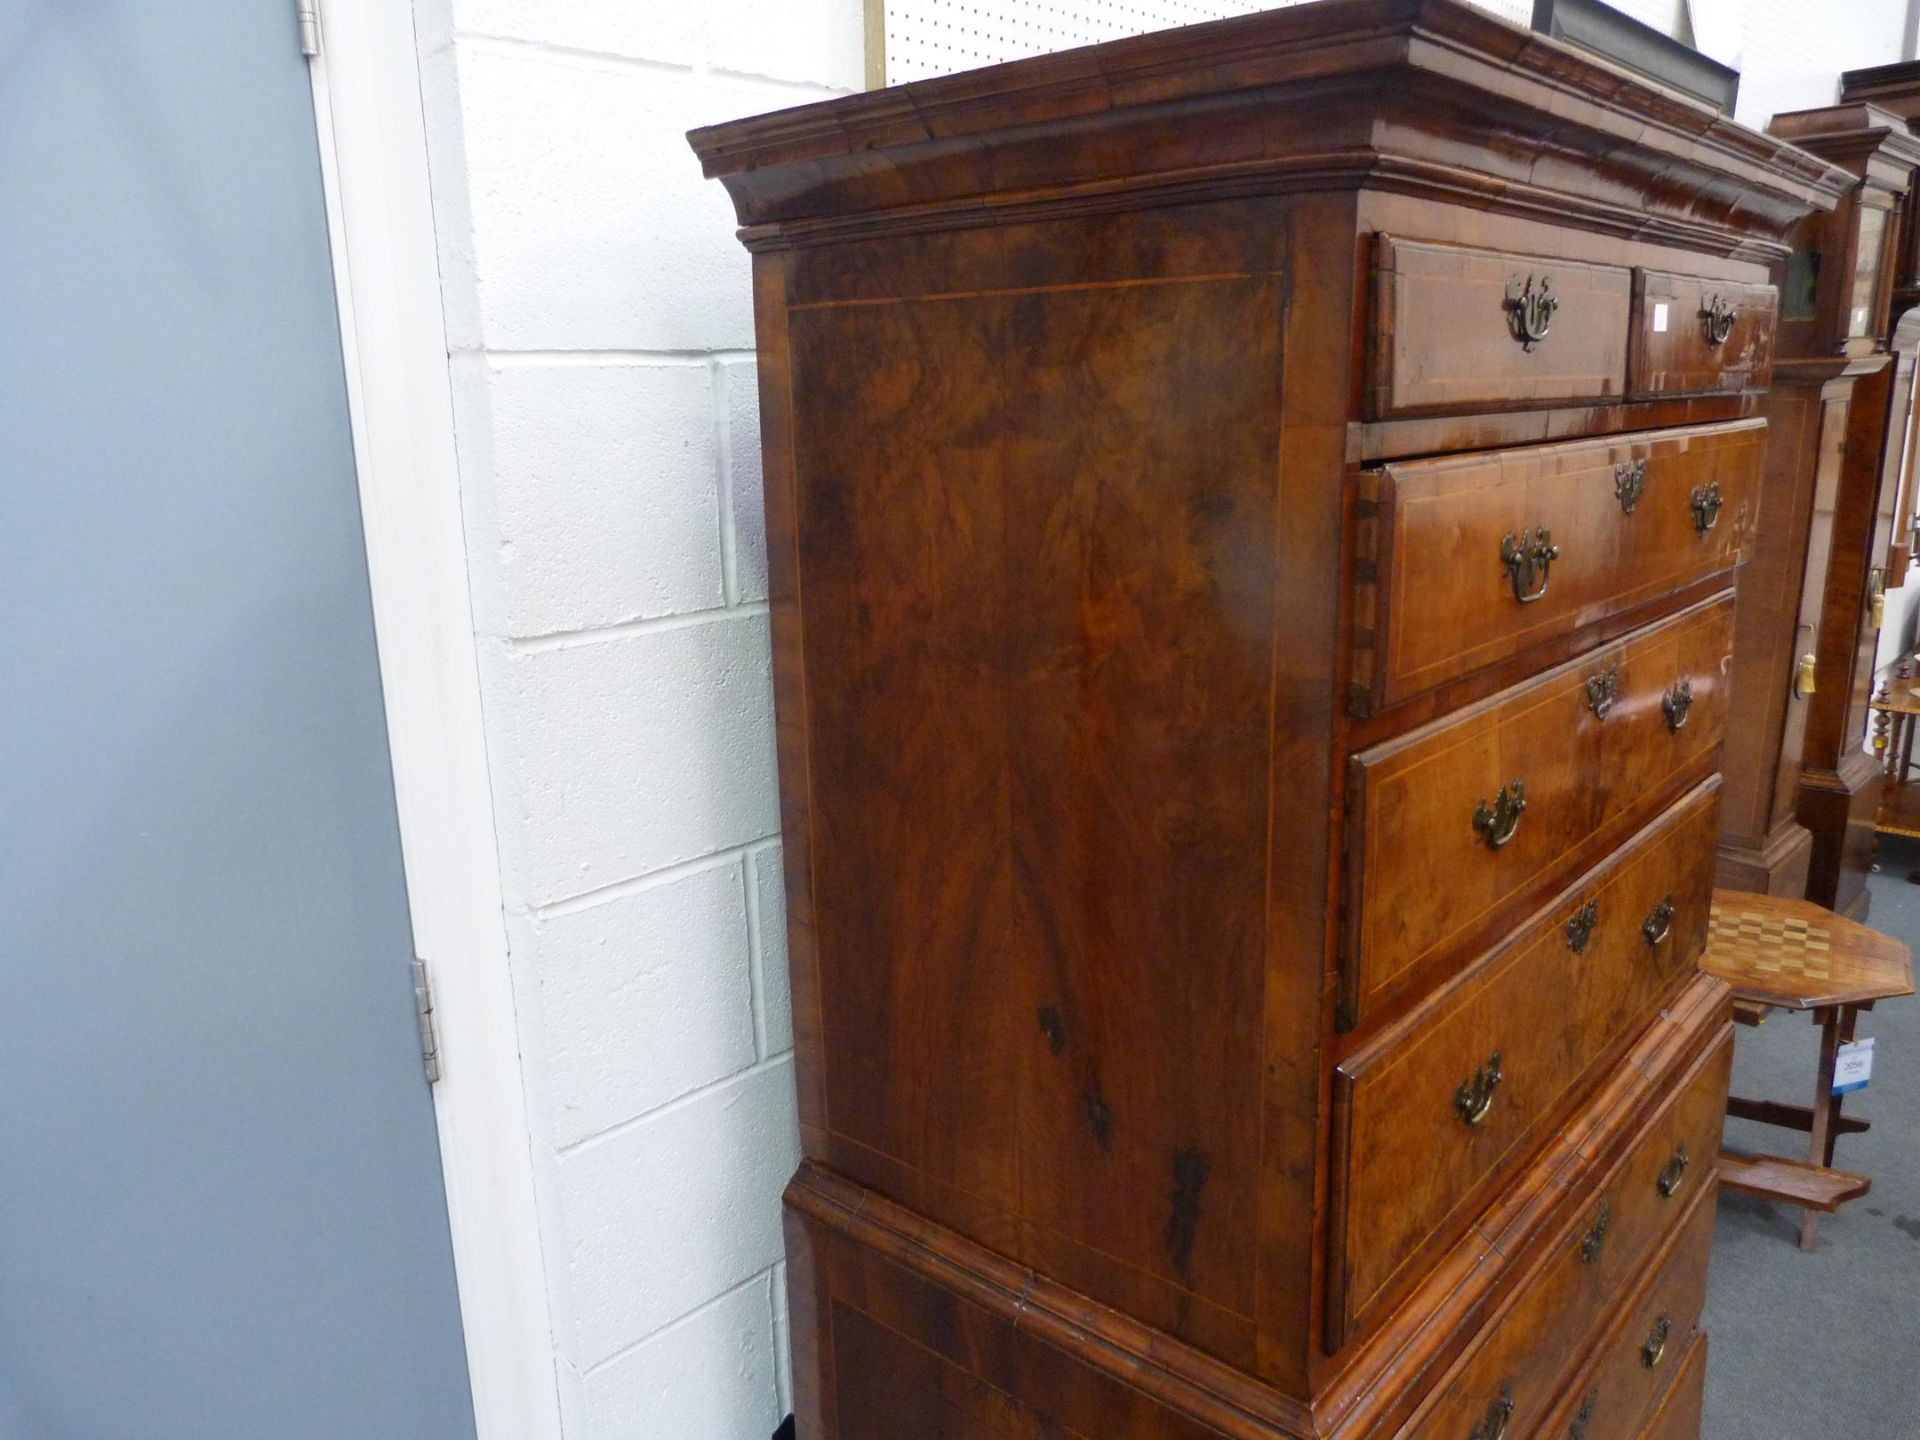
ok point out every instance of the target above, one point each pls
(1827, 1344)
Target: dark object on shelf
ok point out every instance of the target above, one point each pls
(1641, 48)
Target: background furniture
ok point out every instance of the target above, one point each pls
(1250, 534)
(1796, 955)
(1852, 524)
(1799, 807)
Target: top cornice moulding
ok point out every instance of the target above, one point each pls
(1425, 94)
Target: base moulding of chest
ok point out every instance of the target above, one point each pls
(860, 1260)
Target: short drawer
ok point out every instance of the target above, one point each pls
(1651, 1351)
(1447, 1100)
(1521, 1361)
(1681, 1412)
(1436, 855)
(1456, 328)
(1473, 559)
(1693, 336)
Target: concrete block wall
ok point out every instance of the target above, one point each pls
(601, 346)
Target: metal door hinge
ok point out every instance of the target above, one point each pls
(309, 13)
(429, 1031)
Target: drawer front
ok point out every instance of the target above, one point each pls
(1680, 1414)
(1589, 745)
(1466, 561)
(1699, 337)
(1528, 1349)
(1445, 1101)
(1649, 1349)
(1456, 328)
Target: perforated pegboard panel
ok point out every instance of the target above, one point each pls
(937, 37)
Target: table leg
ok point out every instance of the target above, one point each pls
(1826, 1109)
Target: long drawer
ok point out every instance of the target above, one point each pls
(1679, 1415)
(1520, 1362)
(1466, 561)
(1650, 1348)
(1585, 747)
(1456, 328)
(1445, 1101)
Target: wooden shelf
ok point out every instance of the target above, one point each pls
(1796, 1182)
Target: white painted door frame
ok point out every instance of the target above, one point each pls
(367, 100)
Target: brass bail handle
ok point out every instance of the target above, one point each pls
(1499, 1414)
(1675, 704)
(1474, 1099)
(1659, 923)
(1706, 502)
(1717, 316)
(1655, 1350)
(1531, 309)
(1528, 558)
(1498, 822)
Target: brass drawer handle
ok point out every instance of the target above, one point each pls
(1629, 484)
(1706, 501)
(1676, 703)
(1659, 923)
(1674, 1174)
(1528, 559)
(1578, 1430)
(1474, 1098)
(1499, 1412)
(1531, 310)
(1580, 927)
(1602, 690)
(1595, 1240)
(1498, 822)
(1655, 1350)
(1717, 316)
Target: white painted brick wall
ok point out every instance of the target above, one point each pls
(601, 348)
(601, 333)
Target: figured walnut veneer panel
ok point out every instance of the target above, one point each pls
(1445, 339)
(1035, 560)
(1435, 600)
(1407, 1162)
(1422, 884)
(1672, 351)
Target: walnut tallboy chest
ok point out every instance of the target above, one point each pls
(1252, 519)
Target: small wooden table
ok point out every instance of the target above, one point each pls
(1896, 718)
(1793, 955)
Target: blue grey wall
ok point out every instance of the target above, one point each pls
(221, 1211)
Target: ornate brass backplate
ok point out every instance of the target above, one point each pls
(1580, 927)
(1706, 501)
(1530, 309)
(1716, 315)
(1630, 483)
(1497, 823)
(1676, 703)
(1474, 1099)
(1528, 559)
(1602, 690)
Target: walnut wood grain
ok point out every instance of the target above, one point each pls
(1679, 1412)
(1434, 600)
(1674, 352)
(1561, 1306)
(1623, 1387)
(1445, 332)
(1423, 887)
(1408, 1160)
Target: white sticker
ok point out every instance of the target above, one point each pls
(1659, 319)
(1859, 320)
(1854, 1067)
